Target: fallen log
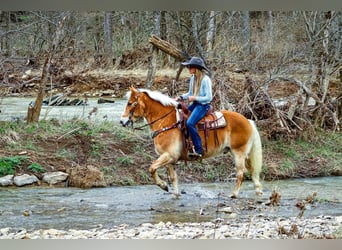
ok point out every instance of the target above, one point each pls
(103, 100)
(168, 48)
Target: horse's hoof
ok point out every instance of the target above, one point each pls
(164, 187)
(258, 192)
(233, 196)
(176, 196)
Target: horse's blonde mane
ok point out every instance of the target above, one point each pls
(159, 97)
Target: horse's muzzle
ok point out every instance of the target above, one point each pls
(125, 122)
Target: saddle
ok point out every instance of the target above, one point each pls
(211, 121)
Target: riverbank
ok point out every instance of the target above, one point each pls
(322, 227)
(123, 156)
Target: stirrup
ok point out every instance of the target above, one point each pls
(194, 155)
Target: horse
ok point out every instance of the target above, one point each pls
(240, 136)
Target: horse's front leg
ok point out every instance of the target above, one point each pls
(174, 180)
(163, 160)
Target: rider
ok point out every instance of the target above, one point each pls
(200, 94)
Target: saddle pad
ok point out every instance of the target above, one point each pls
(213, 121)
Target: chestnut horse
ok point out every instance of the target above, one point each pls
(240, 135)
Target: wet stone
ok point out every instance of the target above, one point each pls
(7, 180)
(25, 179)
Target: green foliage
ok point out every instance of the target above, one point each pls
(30, 145)
(109, 170)
(36, 168)
(124, 161)
(65, 154)
(286, 165)
(8, 164)
(95, 150)
(144, 176)
(127, 181)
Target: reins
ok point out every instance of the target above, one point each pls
(155, 133)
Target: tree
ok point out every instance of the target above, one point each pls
(154, 51)
(108, 38)
(33, 111)
(246, 33)
(318, 29)
(211, 33)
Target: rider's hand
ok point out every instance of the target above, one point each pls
(179, 99)
(192, 98)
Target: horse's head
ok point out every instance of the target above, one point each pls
(134, 108)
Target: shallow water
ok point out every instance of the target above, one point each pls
(13, 108)
(73, 208)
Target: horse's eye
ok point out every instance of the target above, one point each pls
(129, 104)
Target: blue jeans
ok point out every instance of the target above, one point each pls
(198, 111)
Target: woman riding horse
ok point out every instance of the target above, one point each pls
(239, 134)
(200, 94)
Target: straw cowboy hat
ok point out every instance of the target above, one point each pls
(196, 62)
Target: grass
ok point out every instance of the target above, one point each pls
(113, 147)
(124, 161)
(320, 155)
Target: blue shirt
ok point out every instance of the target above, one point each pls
(205, 94)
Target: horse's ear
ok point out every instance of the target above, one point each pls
(131, 88)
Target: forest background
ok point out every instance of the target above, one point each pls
(282, 69)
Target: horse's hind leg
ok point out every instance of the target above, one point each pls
(239, 158)
(174, 179)
(255, 176)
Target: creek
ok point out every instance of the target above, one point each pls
(74, 208)
(13, 108)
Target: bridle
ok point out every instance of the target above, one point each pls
(157, 132)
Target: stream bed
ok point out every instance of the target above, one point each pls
(74, 208)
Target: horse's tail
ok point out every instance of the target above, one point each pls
(255, 151)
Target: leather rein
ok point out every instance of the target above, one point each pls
(157, 132)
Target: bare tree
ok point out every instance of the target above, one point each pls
(33, 111)
(318, 26)
(246, 32)
(108, 38)
(211, 33)
(154, 51)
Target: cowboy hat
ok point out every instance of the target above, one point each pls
(196, 62)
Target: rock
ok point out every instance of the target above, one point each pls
(55, 177)
(86, 177)
(25, 179)
(227, 210)
(6, 180)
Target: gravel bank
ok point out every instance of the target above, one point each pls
(321, 227)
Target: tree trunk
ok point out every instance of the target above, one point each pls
(154, 52)
(246, 33)
(108, 38)
(210, 34)
(168, 48)
(196, 36)
(4, 46)
(163, 35)
(270, 28)
(33, 111)
(324, 79)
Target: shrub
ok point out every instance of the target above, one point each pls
(36, 168)
(8, 164)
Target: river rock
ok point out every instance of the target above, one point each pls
(6, 180)
(55, 177)
(25, 179)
